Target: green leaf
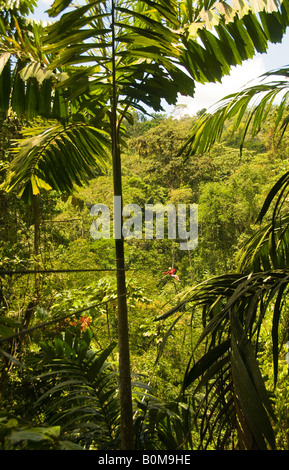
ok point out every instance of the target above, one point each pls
(5, 86)
(9, 321)
(58, 158)
(18, 96)
(5, 330)
(12, 359)
(275, 328)
(58, 6)
(205, 363)
(97, 363)
(281, 184)
(4, 58)
(250, 389)
(36, 434)
(208, 129)
(68, 445)
(36, 70)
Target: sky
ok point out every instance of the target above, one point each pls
(210, 93)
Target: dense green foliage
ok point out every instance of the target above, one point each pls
(99, 348)
(58, 384)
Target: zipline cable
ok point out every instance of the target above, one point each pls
(59, 319)
(56, 271)
(64, 317)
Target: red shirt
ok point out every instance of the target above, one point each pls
(171, 271)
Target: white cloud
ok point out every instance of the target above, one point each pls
(208, 94)
(45, 2)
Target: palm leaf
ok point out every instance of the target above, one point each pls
(206, 366)
(79, 391)
(234, 308)
(29, 79)
(252, 104)
(59, 158)
(143, 36)
(268, 247)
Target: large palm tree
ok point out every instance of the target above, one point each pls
(102, 58)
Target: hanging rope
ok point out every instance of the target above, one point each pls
(173, 255)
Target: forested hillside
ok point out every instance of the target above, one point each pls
(116, 342)
(58, 381)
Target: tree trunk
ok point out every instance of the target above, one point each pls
(123, 334)
(124, 354)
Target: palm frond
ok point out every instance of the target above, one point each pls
(79, 390)
(268, 247)
(79, 393)
(205, 40)
(252, 104)
(227, 372)
(159, 425)
(58, 158)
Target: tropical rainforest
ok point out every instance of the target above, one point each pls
(101, 349)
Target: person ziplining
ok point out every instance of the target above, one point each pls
(172, 273)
